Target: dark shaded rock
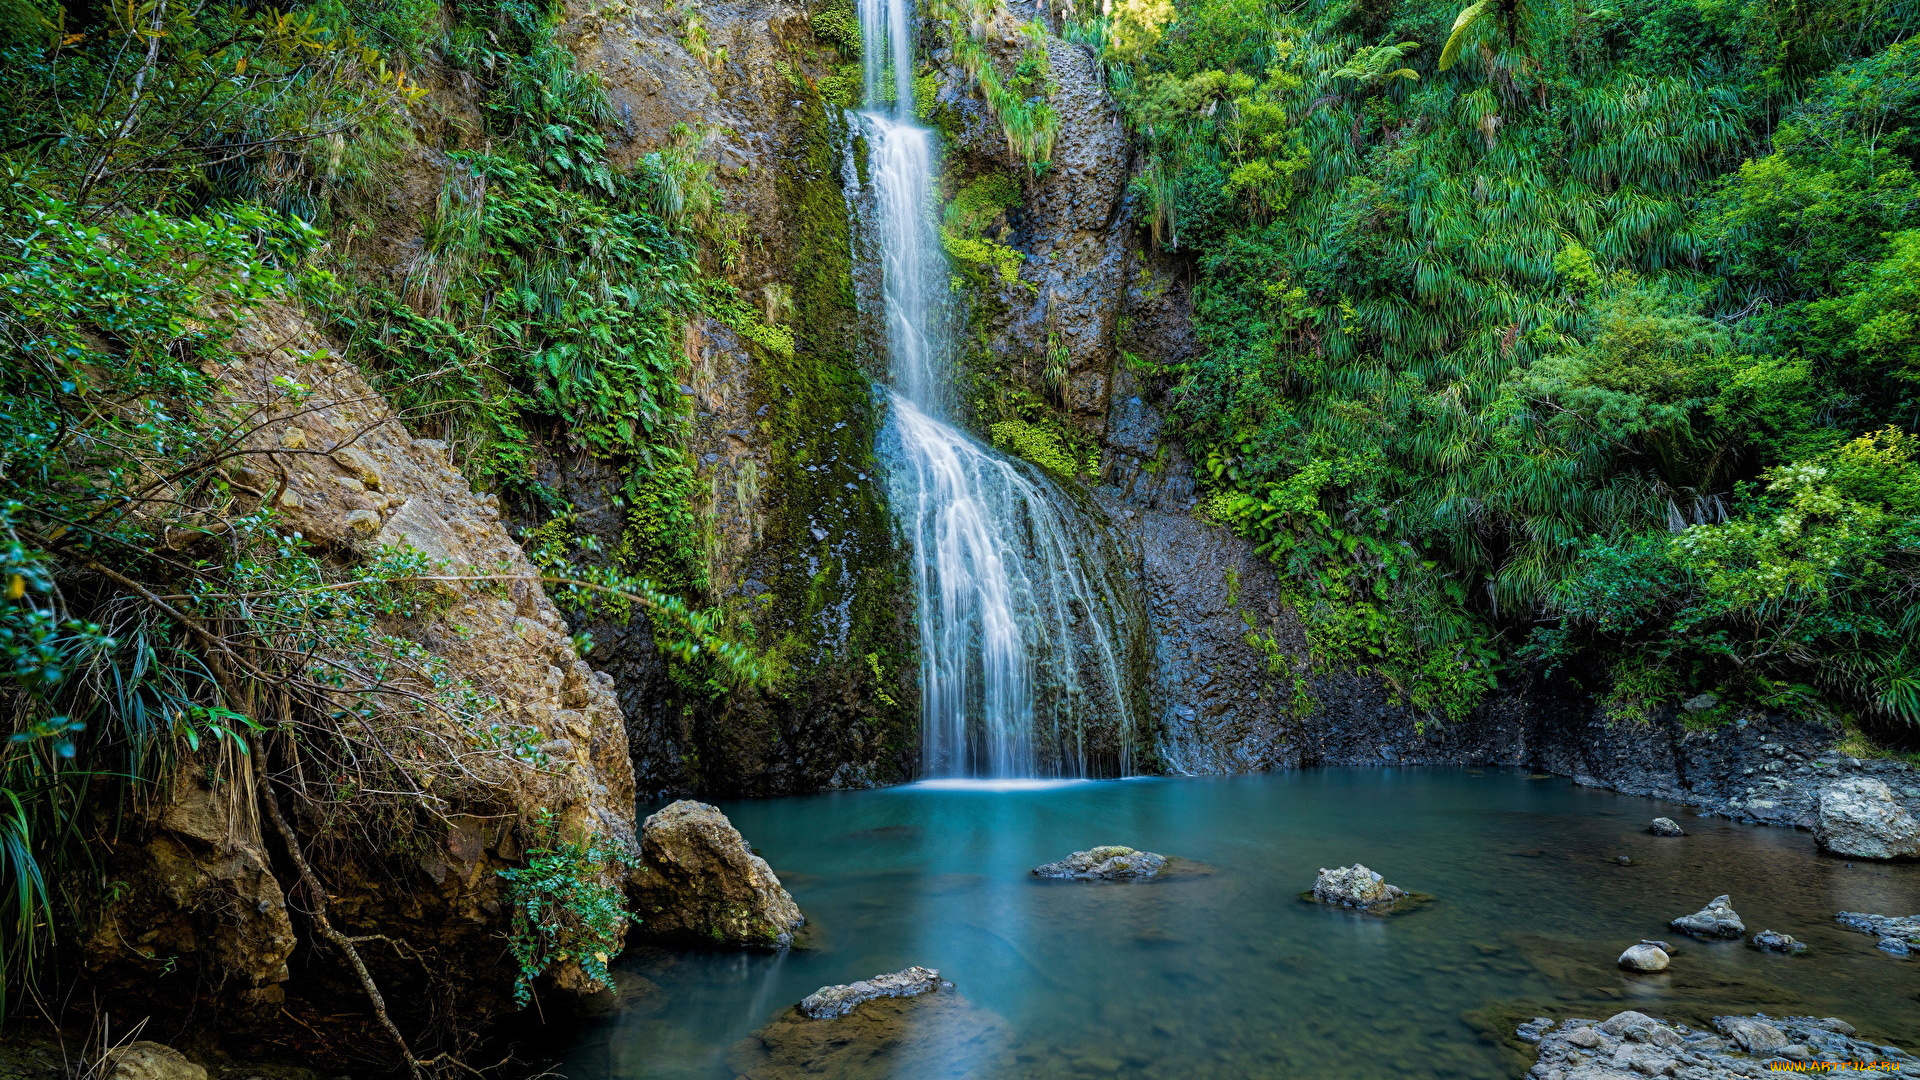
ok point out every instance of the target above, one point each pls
(1110, 863)
(1662, 826)
(1355, 886)
(146, 1060)
(1858, 816)
(1716, 920)
(699, 881)
(829, 1002)
(1775, 941)
(1644, 957)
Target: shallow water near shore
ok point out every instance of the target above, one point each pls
(1229, 974)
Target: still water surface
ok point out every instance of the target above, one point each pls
(1230, 975)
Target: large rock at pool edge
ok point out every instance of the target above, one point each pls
(1356, 887)
(1109, 863)
(698, 880)
(1858, 816)
(1716, 920)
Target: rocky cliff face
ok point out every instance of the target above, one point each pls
(802, 543)
(206, 897)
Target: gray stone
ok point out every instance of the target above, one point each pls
(1753, 1034)
(1716, 920)
(1644, 958)
(1858, 816)
(1620, 1024)
(1108, 863)
(1700, 703)
(1775, 941)
(830, 1002)
(1355, 886)
(1533, 1030)
(1662, 826)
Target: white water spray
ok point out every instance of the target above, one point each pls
(1025, 657)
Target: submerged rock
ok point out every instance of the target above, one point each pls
(1632, 1044)
(1645, 957)
(1898, 934)
(700, 881)
(1665, 826)
(1109, 863)
(1775, 941)
(1858, 816)
(1716, 920)
(1355, 886)
(829, 1002)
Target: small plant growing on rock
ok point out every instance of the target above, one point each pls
(564, 909)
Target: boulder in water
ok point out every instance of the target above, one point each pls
(1665, 826)
(1775, 941)
(1858, 816)
(699, 881)
(829, 1002)
(1355, 886)
(926, 1036)
(1645, 957)
(1109, 863)
(1716, 920)
(1898, 934)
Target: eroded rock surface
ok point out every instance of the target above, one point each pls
(1716, 920)
(829, 1002)
(700, 881)
(1632, 1045)
(342, 472)
(1858, 816)
(1665, 826)
(1355, 886)
(1110, 863)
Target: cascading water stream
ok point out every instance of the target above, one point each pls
(1027, 623)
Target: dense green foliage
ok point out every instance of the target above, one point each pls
(1595, 337)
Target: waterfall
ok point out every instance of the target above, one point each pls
(1027, 623)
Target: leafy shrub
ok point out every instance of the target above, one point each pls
(565, 910)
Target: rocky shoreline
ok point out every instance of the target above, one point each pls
(1631, 1044)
